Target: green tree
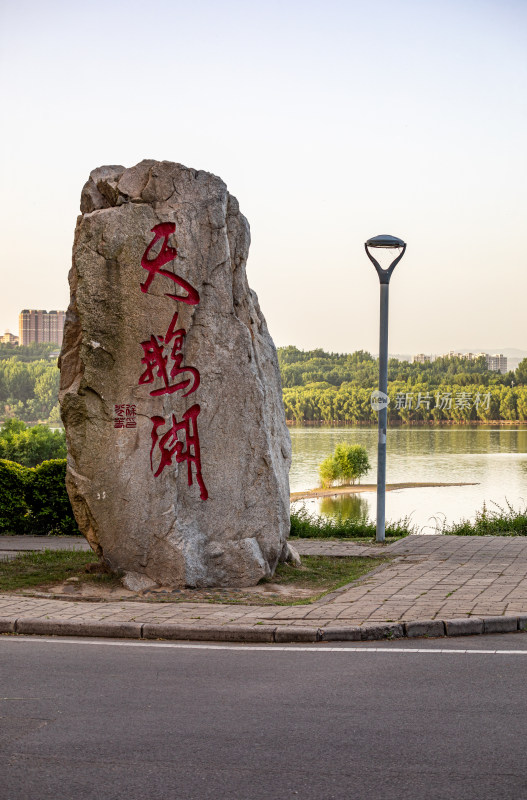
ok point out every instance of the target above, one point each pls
(521, 373)
(47, 387)
(522, 402)
(347, 465)
(328, 472)
(28, 389)
(20, 382)
(357, 462)
(12, 427)
(30, 446)
(508, 405)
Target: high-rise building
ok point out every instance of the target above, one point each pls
(497, 363)
(41, 326)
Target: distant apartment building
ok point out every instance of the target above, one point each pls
(465, 356)
(495, 363)
(8, 338)
(422, 358)
(41, 326)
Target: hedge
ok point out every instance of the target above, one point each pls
(33, 500)
(13, 503)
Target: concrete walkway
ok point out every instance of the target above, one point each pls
(11, 546)
(435, 585)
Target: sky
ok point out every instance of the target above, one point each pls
(331, 121)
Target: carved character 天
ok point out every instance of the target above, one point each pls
(166, 254)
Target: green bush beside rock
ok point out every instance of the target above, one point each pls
(13, 504)
(33, 500)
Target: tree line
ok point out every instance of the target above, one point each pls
(321, 402)
(333, 387)
(302, 368)
(317, 386)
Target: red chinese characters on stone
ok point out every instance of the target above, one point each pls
(170, 446)
(166, 254)
(175, 377)
(156, 362)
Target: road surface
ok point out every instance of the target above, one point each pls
(124, 720)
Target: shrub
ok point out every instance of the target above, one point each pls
(310, 526)
(13, 503)
(34, 500)
(490, 522)
(48, 501)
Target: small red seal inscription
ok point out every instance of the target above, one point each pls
(125, 416)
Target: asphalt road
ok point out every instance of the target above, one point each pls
(128, 720)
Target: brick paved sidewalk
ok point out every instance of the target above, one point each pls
(430, 578)
(442, 577)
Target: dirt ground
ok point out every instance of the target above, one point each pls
(263, 594)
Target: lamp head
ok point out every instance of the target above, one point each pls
(388, 243)
(384, 240)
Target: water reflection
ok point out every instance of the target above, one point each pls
(353, 506)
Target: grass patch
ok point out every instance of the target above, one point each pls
(310, 526)
(499, 521)
(366, 540)
(324, 573)
(39, 569)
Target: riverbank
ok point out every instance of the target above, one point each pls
(367, 487)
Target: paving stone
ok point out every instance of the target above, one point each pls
(62, 627)
(212, 633)
(347, 634)
(296, 612)
(500, 624)
(296, 634)
(464, 626)
(425, 627)
(371, 631)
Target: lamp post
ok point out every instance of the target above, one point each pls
(379, 399)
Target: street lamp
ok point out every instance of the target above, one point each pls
(379, 399)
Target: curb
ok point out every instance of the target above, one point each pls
(269, 634)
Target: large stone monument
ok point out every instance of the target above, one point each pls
(178, 450)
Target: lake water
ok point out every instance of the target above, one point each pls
(493, 457)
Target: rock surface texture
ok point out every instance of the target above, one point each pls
(178, 450)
